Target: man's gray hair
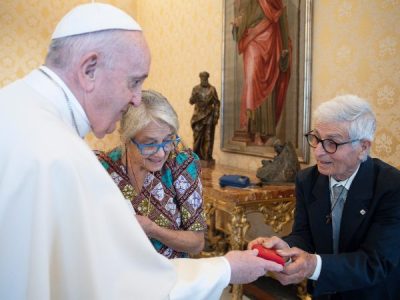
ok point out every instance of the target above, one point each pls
(64, 53)
(352, 109)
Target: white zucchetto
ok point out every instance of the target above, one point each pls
(92, 17)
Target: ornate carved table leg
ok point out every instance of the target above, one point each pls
(240, 225)
(216, 242)
(209, 210)
(302, 290)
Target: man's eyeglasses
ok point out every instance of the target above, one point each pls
(330, 146)
(150, 149)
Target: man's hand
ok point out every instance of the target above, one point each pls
(247, 267)
(302, 266)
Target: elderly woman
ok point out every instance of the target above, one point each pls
(159, 176)
(346, 232)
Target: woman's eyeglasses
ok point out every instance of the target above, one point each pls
(150, 149)
(330, 146)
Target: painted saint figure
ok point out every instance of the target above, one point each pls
(260, 29)
(205, 117)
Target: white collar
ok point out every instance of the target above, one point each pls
(82, 121)
(346, 183)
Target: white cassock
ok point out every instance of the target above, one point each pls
(66, 231)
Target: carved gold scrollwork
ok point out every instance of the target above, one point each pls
(302, 290)
(237, 292)
(277, 214)
(216, 240)
(209, 209)
(239, 227)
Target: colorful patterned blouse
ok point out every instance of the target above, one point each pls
(171, 197)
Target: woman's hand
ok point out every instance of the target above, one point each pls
(179, 240)
(147, 224)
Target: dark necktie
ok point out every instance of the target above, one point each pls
(339, 194)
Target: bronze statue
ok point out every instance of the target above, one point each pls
(205, 117)
(283, 168)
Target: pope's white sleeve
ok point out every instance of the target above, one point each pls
(203, 278)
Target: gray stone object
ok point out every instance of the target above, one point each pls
(283, 168)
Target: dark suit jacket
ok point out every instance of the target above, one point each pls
(367, 266)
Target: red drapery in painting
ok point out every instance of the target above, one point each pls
(261, 47)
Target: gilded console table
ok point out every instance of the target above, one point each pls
(227, 209)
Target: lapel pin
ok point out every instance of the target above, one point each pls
(362, 212)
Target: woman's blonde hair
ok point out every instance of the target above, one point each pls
(153, 108)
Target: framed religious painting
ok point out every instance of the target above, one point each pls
(266, 76)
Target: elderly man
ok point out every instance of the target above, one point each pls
(65, 229)
(347, 219)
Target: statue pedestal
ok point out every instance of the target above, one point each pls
(207, 163)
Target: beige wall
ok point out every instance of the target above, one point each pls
(356, 46)
(356, 50)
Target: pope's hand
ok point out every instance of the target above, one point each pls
(247, 267)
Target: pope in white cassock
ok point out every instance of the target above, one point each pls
(65, 230)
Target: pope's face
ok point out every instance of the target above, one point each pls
(119, 86)
(343, 163)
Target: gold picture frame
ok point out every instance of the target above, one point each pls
(294, 119)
